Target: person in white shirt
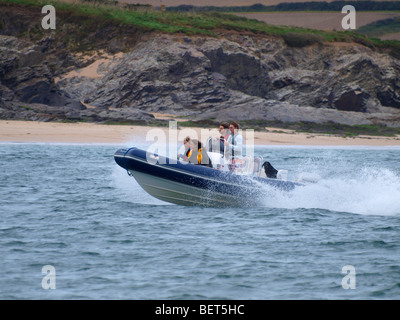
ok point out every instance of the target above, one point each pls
(234, 143)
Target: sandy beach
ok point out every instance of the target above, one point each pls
(54, 132)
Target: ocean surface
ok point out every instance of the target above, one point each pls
(74, 225)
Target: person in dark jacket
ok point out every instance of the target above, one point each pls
(224, 134)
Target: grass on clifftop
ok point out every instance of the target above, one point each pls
(202, 23)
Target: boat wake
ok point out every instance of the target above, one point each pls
(368, 191)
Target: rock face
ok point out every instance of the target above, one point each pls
(231, 77)
(246, 78)
(27, 83)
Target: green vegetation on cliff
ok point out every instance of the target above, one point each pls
(201, 23)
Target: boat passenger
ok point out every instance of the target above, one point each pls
(198, 154)
(234, 143)
(185, 156)
(217, 144)
(224, 130)
(224, 134)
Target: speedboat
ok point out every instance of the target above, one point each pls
(183, 183)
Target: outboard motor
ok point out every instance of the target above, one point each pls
(270, 171)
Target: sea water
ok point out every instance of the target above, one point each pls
(74, 225)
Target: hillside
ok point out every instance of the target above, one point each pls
(367, 22)
(241, 3)
(124, 66)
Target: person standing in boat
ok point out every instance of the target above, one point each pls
(224, 134)
(224, 131)
(217, 144)
(234, 143)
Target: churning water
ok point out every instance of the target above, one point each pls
(71, 207)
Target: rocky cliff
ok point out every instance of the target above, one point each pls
(233, 76)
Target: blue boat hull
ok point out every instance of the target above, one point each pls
(187, 184)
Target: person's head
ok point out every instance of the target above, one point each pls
(223, 127)
(186, 142)
(195, 144)
(233, 126)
